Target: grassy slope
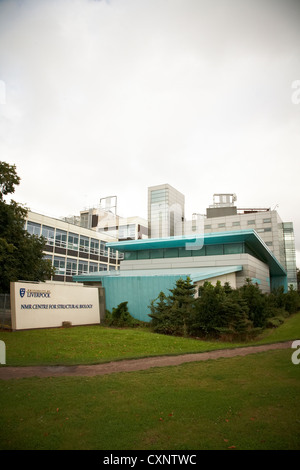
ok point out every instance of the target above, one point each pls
(97, 344)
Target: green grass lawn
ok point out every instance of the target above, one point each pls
(241, 403)
(98, 344)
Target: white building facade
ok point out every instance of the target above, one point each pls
(72, 249)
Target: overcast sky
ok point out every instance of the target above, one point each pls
(102, 98)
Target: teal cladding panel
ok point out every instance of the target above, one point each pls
(138, 291)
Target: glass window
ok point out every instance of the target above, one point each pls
(82, 267)
(93, 267)
(200, 252)
(158, 253)
(251, 222)
(235, 224)
(221, 225)
(33, 228)
(171, 253)
(71, 267)
(127, 231)
(233, 248)
(103, 249)
(158, 195)
(102, 267)
(265, 221)
(48, 233)
(207, 226)
(95, 246)
(60, 265)
(61, 238)
(130, 255)
(84, 244)
(73, 241)
(214, 250)
(183, 252)
(143, 254)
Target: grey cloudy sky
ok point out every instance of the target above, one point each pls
(103, 98)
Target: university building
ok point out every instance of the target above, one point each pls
(73, 249)
(234, 244)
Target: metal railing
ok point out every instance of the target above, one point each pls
(5, 311)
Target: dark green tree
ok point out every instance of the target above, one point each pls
(172, 314)
(21, 254)
(256, 302)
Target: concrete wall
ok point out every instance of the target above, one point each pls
(49, 304)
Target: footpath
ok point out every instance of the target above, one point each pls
(8, 372)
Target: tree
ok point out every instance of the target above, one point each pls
(21, 254)
(171, 314)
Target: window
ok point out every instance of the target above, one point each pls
(221, 225)
(251, 222)
(130, 255)
(235, 224)
(183, 252)
(103, 249)
(260, 230)
(60, 265)
(84, 244)
(266, 221)
(73, 241)
(171, 253)
(214, 250)
(158, 195)
(71, 267)
(61, 238)
(206, 227)
(33, 229)
(143, 254)
(158, 253)
(93, 267)
(94, 246)
(233, 248)
(82, 267)
(127, 231)
(48, 233)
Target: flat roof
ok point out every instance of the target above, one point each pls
(196, 241)
(196, 274)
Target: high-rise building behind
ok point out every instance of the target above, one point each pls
(224, 215)
(165, 211)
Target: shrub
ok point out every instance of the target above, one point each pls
(120, 317)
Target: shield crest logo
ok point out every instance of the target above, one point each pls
(22, 291)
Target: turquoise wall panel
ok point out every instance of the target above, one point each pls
(138, 291)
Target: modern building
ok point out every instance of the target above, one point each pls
(153, 265)
(166, 208)
(108, 223)
(73, 249)
(224, 215)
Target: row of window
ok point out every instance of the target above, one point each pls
(69, 240)
(238, 223)
(72, 266)
(207, 250)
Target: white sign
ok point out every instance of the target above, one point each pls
(2, 352)
(45, 305)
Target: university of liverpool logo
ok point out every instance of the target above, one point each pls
(22, 291)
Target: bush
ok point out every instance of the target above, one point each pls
(120, 317)
(221, 311)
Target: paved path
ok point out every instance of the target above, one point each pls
(7, 372)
